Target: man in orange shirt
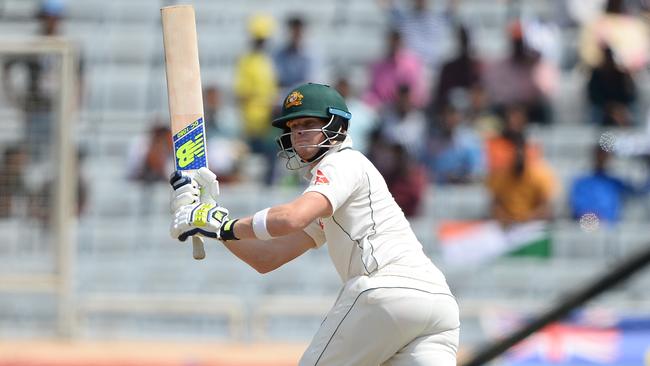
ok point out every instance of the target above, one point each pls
(521, 183)
(526, 195)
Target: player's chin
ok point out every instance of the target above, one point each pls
(306, 153)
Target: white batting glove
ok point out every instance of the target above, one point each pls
(203, 219)
(188, 189)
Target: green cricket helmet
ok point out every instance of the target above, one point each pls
(312, 100)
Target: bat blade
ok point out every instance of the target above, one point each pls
(184, 94)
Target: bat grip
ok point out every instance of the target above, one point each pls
(198, 251)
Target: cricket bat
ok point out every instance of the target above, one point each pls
(185, 96)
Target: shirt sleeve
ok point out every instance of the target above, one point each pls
(315, 231)
(336, 179)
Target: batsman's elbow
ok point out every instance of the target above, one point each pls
(264, 266)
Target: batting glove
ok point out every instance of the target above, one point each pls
(188, 190)
(204, 219)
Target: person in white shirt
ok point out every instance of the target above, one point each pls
(395, 307)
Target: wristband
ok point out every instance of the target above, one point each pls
(227, 231)
(259, 225)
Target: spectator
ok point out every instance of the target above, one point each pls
(611, 92)
(12, 181)
(521, 78)
(544, 35)
(601, 193)
(365, 118)
(212, 110)
(523, 189)
(42, 202)
(625, 34)
(406, 180)
(501, 149)
(463, 71)
(479, 114)
(399, 67)
(424, 30)
(219, 120)
(150, 158)
(256, 90)
(226, 151)
(401, 123)
(295, 64)
(455, 154)
(36, 99)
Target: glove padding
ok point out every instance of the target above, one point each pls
(188, 189)
(204, 219)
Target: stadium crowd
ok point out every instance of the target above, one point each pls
(423, 117)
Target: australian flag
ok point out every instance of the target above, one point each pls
(621, 341)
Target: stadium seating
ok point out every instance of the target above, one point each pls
(122, 243)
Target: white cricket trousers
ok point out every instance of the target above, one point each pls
(387, 321)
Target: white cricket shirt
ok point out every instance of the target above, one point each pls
(367, 233)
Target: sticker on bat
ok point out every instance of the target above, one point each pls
(189, 147)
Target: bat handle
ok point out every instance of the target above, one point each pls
(198, 251)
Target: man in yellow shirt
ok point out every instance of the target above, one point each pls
(256, 90)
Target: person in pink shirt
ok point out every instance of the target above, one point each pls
(399, 66)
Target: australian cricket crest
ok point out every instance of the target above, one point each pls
(294, 99)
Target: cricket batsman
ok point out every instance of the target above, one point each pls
(395, 307)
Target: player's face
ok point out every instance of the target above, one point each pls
(306, 134)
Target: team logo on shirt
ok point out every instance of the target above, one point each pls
(321, 178)
(294, 99)
(320, 223)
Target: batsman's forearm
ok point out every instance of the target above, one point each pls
(256, 253)
(280, 221)
(266, 255)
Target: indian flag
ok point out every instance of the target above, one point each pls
(473, 242)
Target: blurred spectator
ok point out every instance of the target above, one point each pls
(424, 30)
(625, 34)
(226, 150)
(406, 180)
(149, 158)
(400, 122)
(602, 193)
(364, 119)
(37, 96)
(543, 35)
(295, 64)
(522, 78)
(256, 90)
(219, 120)
(463, 71)
(12, 180)
(611, 92)
(501, 149)
(578, 12)
(399, 66)
(41, 203)
(479, 114)
(212, 110)
(524, 187)
(455, 154)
